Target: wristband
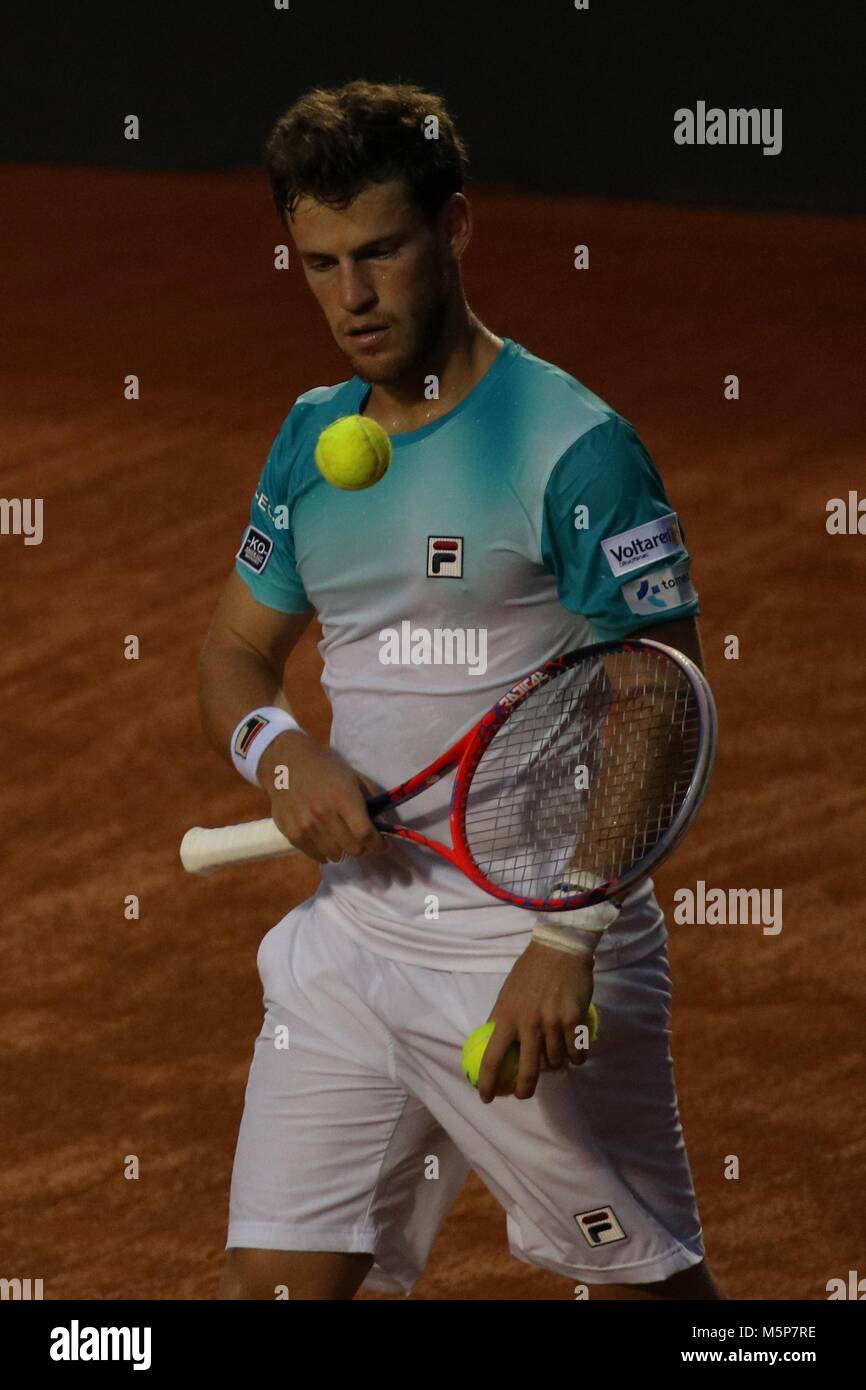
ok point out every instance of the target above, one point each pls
(254, 734)
(578, 932)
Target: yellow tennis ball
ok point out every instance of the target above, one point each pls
(353, 453)
(473, 1054)
(476, 1045)
(593, 1020)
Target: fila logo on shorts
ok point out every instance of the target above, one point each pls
(248, 732)
(444, 557)
(255, 550)
(600, 1227)
(653, 541)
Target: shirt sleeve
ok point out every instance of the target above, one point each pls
(611, 537)
(266, 556)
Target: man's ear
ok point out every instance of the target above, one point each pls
(455, 218)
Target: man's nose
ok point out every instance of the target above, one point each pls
(356, 290)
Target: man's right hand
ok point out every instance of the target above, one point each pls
(322, 811)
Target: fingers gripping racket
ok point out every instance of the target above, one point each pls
(596, 761)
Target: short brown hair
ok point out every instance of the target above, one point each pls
(333, 142)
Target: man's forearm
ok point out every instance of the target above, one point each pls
(639, 781)
(233, 681)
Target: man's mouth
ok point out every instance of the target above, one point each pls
(368, 334)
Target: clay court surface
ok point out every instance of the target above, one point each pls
(134, 1037)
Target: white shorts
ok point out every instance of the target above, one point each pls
(359, 1134)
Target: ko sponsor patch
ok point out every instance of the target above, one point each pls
(255, 550)
(667, 588)
(642, 544)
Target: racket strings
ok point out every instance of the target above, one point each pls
(589, 772)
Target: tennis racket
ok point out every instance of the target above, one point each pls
(589, 769)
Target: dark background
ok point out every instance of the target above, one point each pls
(547, 97)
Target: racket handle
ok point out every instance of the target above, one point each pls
(204, 851)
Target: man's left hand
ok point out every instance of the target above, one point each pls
(541, 1004)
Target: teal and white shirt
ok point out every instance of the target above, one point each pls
(527, 521)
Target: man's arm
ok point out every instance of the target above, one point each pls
(680, 633)
(548, 991)
(242, 660)
(322, 811)
(619, 803)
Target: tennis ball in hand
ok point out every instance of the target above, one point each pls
(473, 1054)
(353, 453)
(476, 1045)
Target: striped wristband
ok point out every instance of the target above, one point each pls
(577, 932)
(254, 734)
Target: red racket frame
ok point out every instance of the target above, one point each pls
(466, 754)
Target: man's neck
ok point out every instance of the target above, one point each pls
(458, 367)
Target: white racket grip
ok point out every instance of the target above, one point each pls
(204, 851)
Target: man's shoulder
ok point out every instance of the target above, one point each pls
(561, 409)
(316, 408)
(556, 384)
(562, 431)
(322, 396)
(311, 413)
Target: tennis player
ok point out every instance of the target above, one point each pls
(521, 517)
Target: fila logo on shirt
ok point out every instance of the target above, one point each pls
(444, 557)
(637, 547)
(600, 1227)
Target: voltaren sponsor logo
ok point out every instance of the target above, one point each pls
(638, 549)
(642, 544)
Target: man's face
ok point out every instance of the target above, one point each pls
(378, 265)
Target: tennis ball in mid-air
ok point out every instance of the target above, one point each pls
(353, 453)
(476, 1045)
